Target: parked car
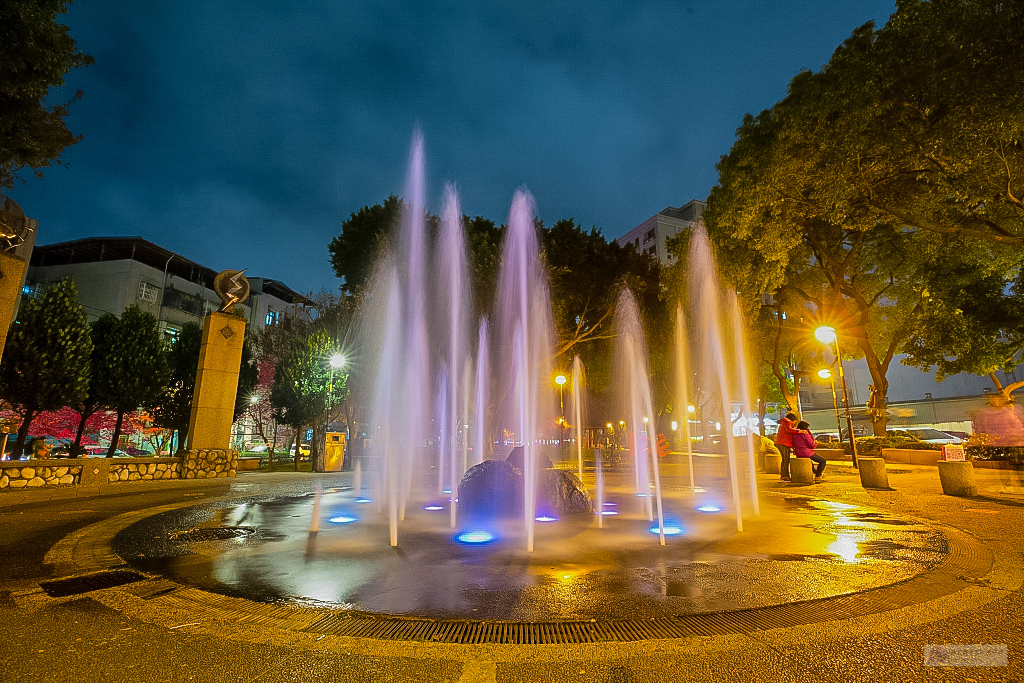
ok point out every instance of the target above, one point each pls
(927, 435)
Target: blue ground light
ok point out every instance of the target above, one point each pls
(476, 537)
(671, 529)
(545, 518)
(342, 519)
(709, 508)
(433, 507)
(363, 500)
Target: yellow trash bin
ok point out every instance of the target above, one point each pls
(334, 451)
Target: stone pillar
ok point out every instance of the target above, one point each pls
(213, 403)
(957, 478)
(12, 268)
(772, 463)
(872, 473)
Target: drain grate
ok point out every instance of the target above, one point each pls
(214, 533)
(61, 588)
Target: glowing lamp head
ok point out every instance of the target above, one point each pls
(608, 425)
(337, 361)
(646, 419)
(691, 408)
(254, 399)
(560, 380)
(825, 334)
(675, 425)
(825, 373)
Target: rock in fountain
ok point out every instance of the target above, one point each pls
(494, 489)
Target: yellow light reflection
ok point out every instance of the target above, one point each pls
(846, 547)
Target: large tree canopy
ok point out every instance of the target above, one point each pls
(36, 53)
(843, 199)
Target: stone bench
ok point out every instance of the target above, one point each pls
(801, 470)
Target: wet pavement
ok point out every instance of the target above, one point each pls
(113, 635)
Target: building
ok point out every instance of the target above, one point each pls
(112, 273)
(915, 398)
(650, 237)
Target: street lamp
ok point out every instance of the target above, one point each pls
(560, 381)
(825, 373)
(827, 335)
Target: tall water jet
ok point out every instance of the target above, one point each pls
(577, 406)
(386, 423)
(415, 359)
(452, 265)
(739, 349)
(525, 319)
(707, 301)
(683, 388)
(632, 362)
(480, 402)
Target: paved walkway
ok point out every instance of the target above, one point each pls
(113, 635)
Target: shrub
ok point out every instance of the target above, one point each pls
(871, 446)
(1011, 454)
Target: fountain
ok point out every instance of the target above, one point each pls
(461, 424)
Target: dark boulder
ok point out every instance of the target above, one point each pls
(493, 488)
(515, 458)
(561, 492)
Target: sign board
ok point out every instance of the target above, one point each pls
(953, 452)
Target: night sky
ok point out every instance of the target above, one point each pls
(242, 134)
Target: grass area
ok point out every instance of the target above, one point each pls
(284, 466)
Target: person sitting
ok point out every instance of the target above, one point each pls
(803, 447)
(762, 447)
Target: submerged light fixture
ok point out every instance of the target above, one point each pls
(477, 536)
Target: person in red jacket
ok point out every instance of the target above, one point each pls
(784, 440)
(803, 447)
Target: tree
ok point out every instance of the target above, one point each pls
(972, 321)
(586, 273)
(36, 53)
(100, 332)
(352, 252)
(135, 373)
(923, 120)
(174, 408)
(248, 375)
(870, 172)
(305, 389)
(46, 363)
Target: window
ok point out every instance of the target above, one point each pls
(272, 316)
(652, 250)
(649, 236)
(148, 292)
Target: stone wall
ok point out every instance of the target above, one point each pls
(209, 464)
(36, 473)
(152, 468)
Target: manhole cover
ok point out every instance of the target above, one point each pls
(214, 533)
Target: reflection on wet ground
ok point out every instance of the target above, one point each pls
(799, 548)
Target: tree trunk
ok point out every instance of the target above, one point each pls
(76, 447)
(117, 434)
(316, 461)
(762, 408)
(182, 438)
(1006, 391)
(298, 446)
(19, 444)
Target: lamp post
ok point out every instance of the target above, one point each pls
(560, 381)
(827, 335)
(825, 373)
